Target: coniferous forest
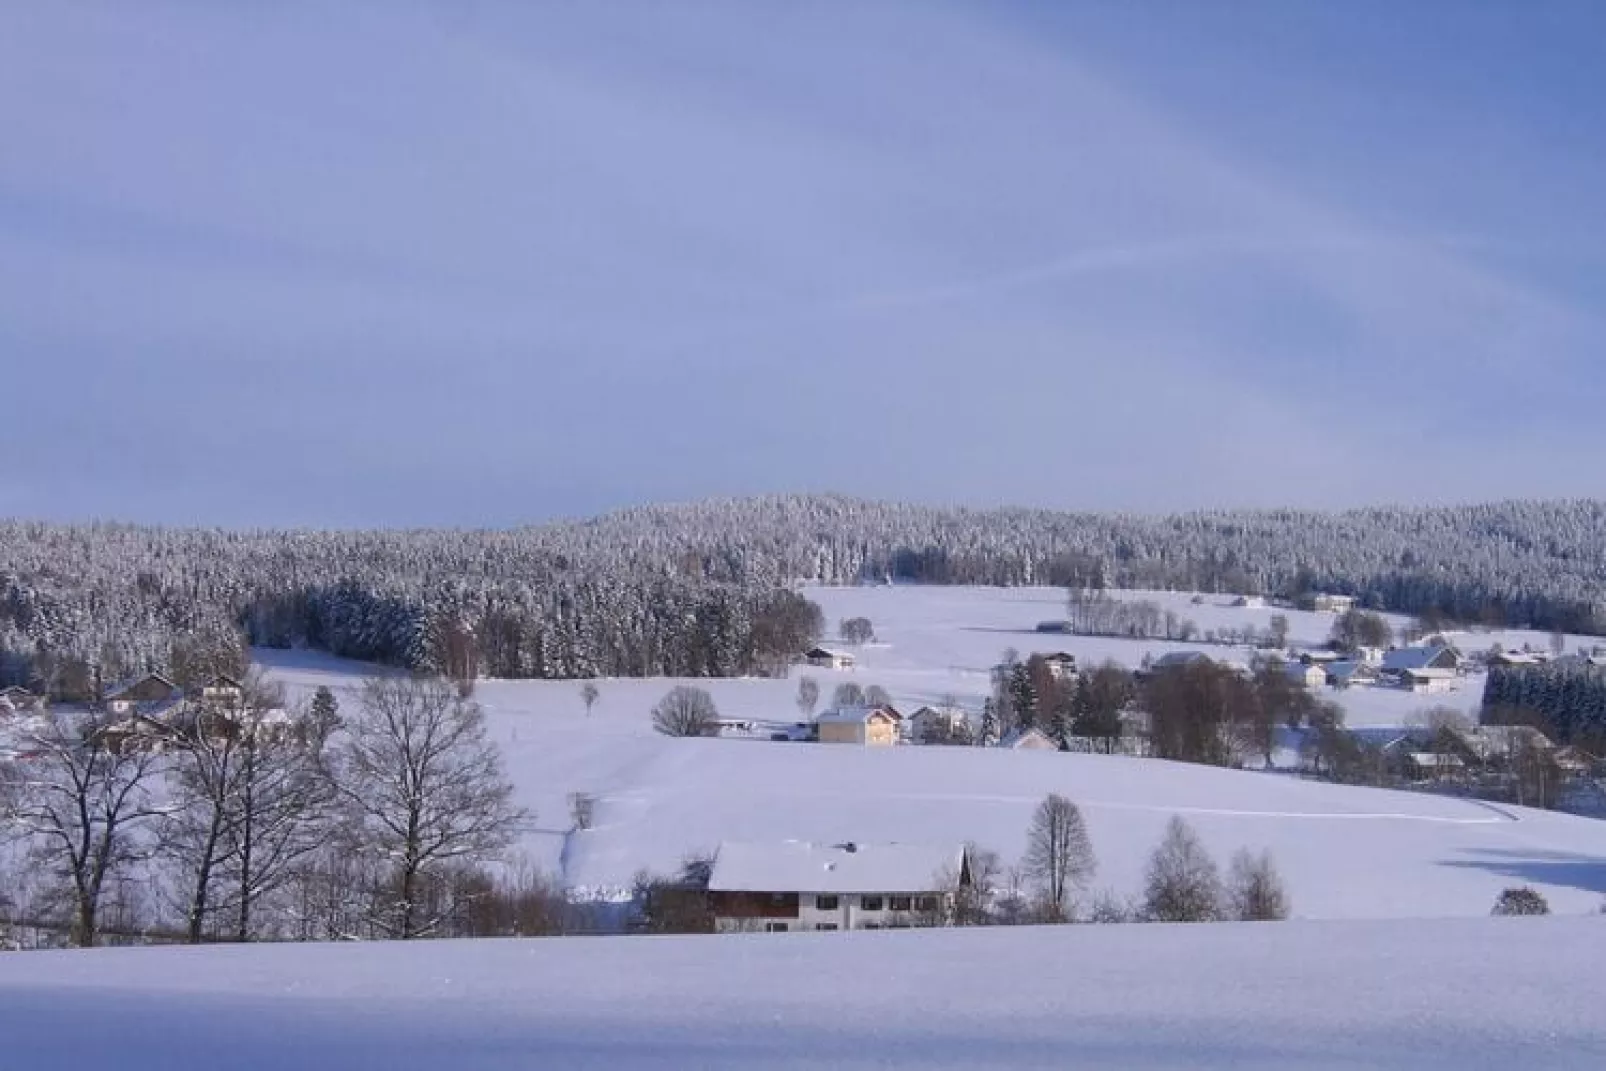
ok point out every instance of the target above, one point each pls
(708, 589)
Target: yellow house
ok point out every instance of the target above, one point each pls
(865, 726)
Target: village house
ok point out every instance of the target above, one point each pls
(1433, 766)
(1426, 681)
(820, 658)
(1497, 745)
(1250, 602)
(1349, 673)
(865, 726)
(928, 725)
(786, 886)
(1307, 675)
(1323, 602)
(149, 694)
(137, 732)
(1028, 740)
(1061, 665)
(222, 691)
(1427, 656)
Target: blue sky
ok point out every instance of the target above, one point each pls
(370, 263)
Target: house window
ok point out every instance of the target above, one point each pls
(777, 899)
(899, 903)
(825, 926)
(926, 903)
(776, 927)
(872, 925)
(825, 903)
(870, 903)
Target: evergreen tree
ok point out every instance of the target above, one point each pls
(989, 724)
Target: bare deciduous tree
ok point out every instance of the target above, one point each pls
(847, 694)
(80, 801)
(1361, 628)
(249, 801)
(808, 696)
(589, 694)
(1059, 855)
(685, 711)
(856, 630)
(425, 787)
(877, 696)
(1183, 884)
(1255, 890)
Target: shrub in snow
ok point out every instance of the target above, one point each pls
(1107, 907)
(685, 711)
(1183, 883)
(1255, 890)
(1520, 900)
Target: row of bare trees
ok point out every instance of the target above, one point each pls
(246, 820)
(1182, 881)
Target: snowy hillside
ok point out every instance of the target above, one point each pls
(1346, 852)
(1492, 993)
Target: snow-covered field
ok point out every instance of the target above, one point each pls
(1345, 852)
(1451, 994)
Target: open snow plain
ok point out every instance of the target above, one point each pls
(1345, 852)
(1458, 995)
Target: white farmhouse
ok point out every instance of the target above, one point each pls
(784, 886)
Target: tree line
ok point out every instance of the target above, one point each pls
(1200, 711)
(1052, 883)
(706, 589)
(243, 820)
(1564, 698)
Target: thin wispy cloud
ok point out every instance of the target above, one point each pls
(488, 263)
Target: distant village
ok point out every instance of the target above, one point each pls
(151, 712)
(1446, 752)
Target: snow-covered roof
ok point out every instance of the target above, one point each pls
(1413, 657)
(806, 867)
(857, 715)
(1432, 759)
(1487, 741)
(1430, 674)
(1346, 669)
(821, 652)
(1019, 737)
(122, 686)
(1179, 658)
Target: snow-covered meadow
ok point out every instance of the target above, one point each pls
(1400, 996)
(1345, 852)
